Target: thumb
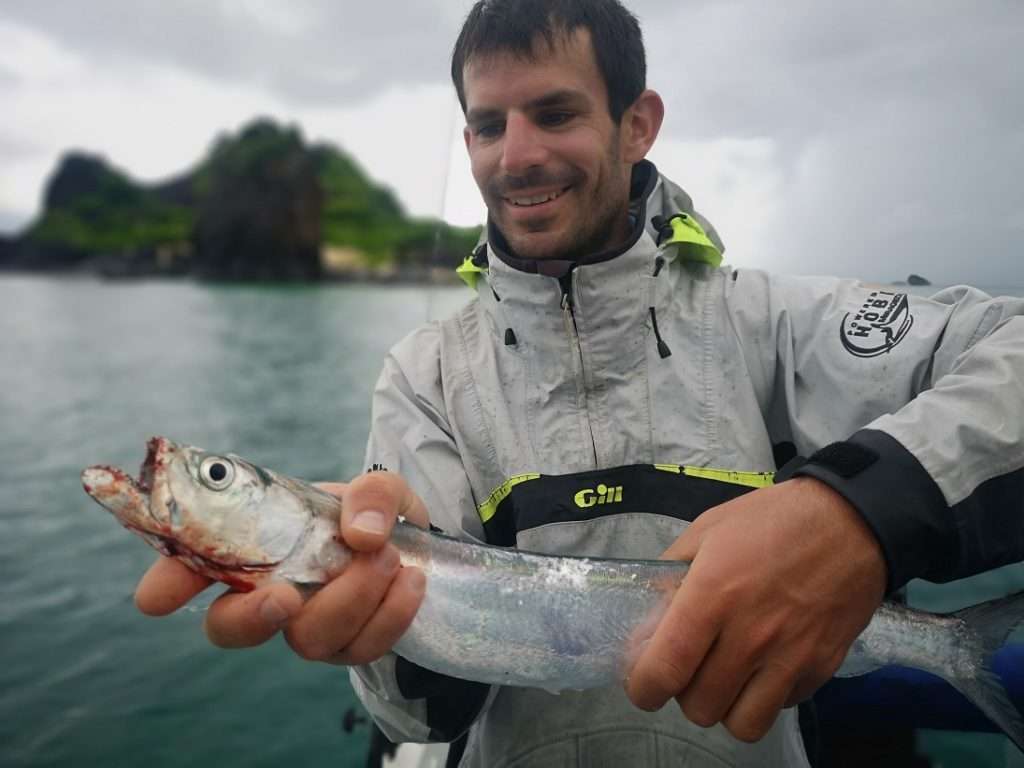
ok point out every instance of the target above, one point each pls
(372, 503)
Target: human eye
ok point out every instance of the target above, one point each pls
(555, 118)
(489, 130)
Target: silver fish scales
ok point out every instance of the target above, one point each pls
(490, 614)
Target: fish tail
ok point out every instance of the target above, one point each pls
(989, 625)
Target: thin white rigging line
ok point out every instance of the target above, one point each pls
(453, 116)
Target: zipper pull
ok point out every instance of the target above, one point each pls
(663, 350)
(565, 281)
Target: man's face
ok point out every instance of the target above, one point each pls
(545, 151)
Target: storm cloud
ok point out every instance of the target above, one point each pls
(871, 140)
(307, 51)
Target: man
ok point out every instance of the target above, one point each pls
(607, 349)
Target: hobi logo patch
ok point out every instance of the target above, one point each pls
(880, 324)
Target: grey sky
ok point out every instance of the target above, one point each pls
(310, 50)
(870, 139)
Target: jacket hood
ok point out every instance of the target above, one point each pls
(605, 294)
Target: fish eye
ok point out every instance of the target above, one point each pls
(216, 473)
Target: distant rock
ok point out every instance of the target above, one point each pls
(82, 175)
(918, 280)
(260, 210)
(262, 205)
(6, 252)
(95, 214)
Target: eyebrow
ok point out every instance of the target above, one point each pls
(553, 99)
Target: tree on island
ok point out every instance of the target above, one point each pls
(260, 208)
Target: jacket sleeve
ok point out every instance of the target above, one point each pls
(910, 407)
(410, 435)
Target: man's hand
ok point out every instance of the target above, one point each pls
(356, 618)
(782, 581)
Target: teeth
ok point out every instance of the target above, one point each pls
(535, 200)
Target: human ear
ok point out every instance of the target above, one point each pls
(640, 125)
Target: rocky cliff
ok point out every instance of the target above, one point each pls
(262, 205)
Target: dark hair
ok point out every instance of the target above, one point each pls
(513, 26)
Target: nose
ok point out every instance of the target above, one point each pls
(522, 145)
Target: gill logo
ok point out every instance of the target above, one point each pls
(603, 494)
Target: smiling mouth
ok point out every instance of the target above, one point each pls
(530, 201)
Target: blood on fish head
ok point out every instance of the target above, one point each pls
(219, 514)
(115, 490)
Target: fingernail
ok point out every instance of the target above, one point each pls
(370, 521)
(272, 612)
(385, 559)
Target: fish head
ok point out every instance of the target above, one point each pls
(219, 514)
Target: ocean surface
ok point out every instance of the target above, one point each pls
(88, 371)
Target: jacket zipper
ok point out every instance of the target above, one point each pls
(573, 333)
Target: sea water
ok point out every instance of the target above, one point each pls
(88, 371)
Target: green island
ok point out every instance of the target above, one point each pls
(262, 205)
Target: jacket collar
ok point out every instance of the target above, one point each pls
(610, 292)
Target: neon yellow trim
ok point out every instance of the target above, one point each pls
(469, 272)
(693, 242)
(749, 479)
(488, 509)
(732, 476)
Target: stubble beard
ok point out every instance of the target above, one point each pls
(594, 230)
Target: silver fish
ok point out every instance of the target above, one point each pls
(490, 614)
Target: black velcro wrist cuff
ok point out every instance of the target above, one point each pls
(897, 498)
(847, 459)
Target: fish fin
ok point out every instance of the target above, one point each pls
(987, 693)
(989, 625)
(994, 620)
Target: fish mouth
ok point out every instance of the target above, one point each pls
(137, 503)
(147, 507)
(116, 490)
(153, 482)
(156, 450)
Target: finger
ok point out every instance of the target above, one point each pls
(801, 692)
(757, 707)
(681, 641)
(337, 613)
(816, 674)
(685, 547)
(716, 684)
(237, 620)
(166, 586)
(372, 504)
(389, 622)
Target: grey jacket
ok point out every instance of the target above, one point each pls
(910, 407)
